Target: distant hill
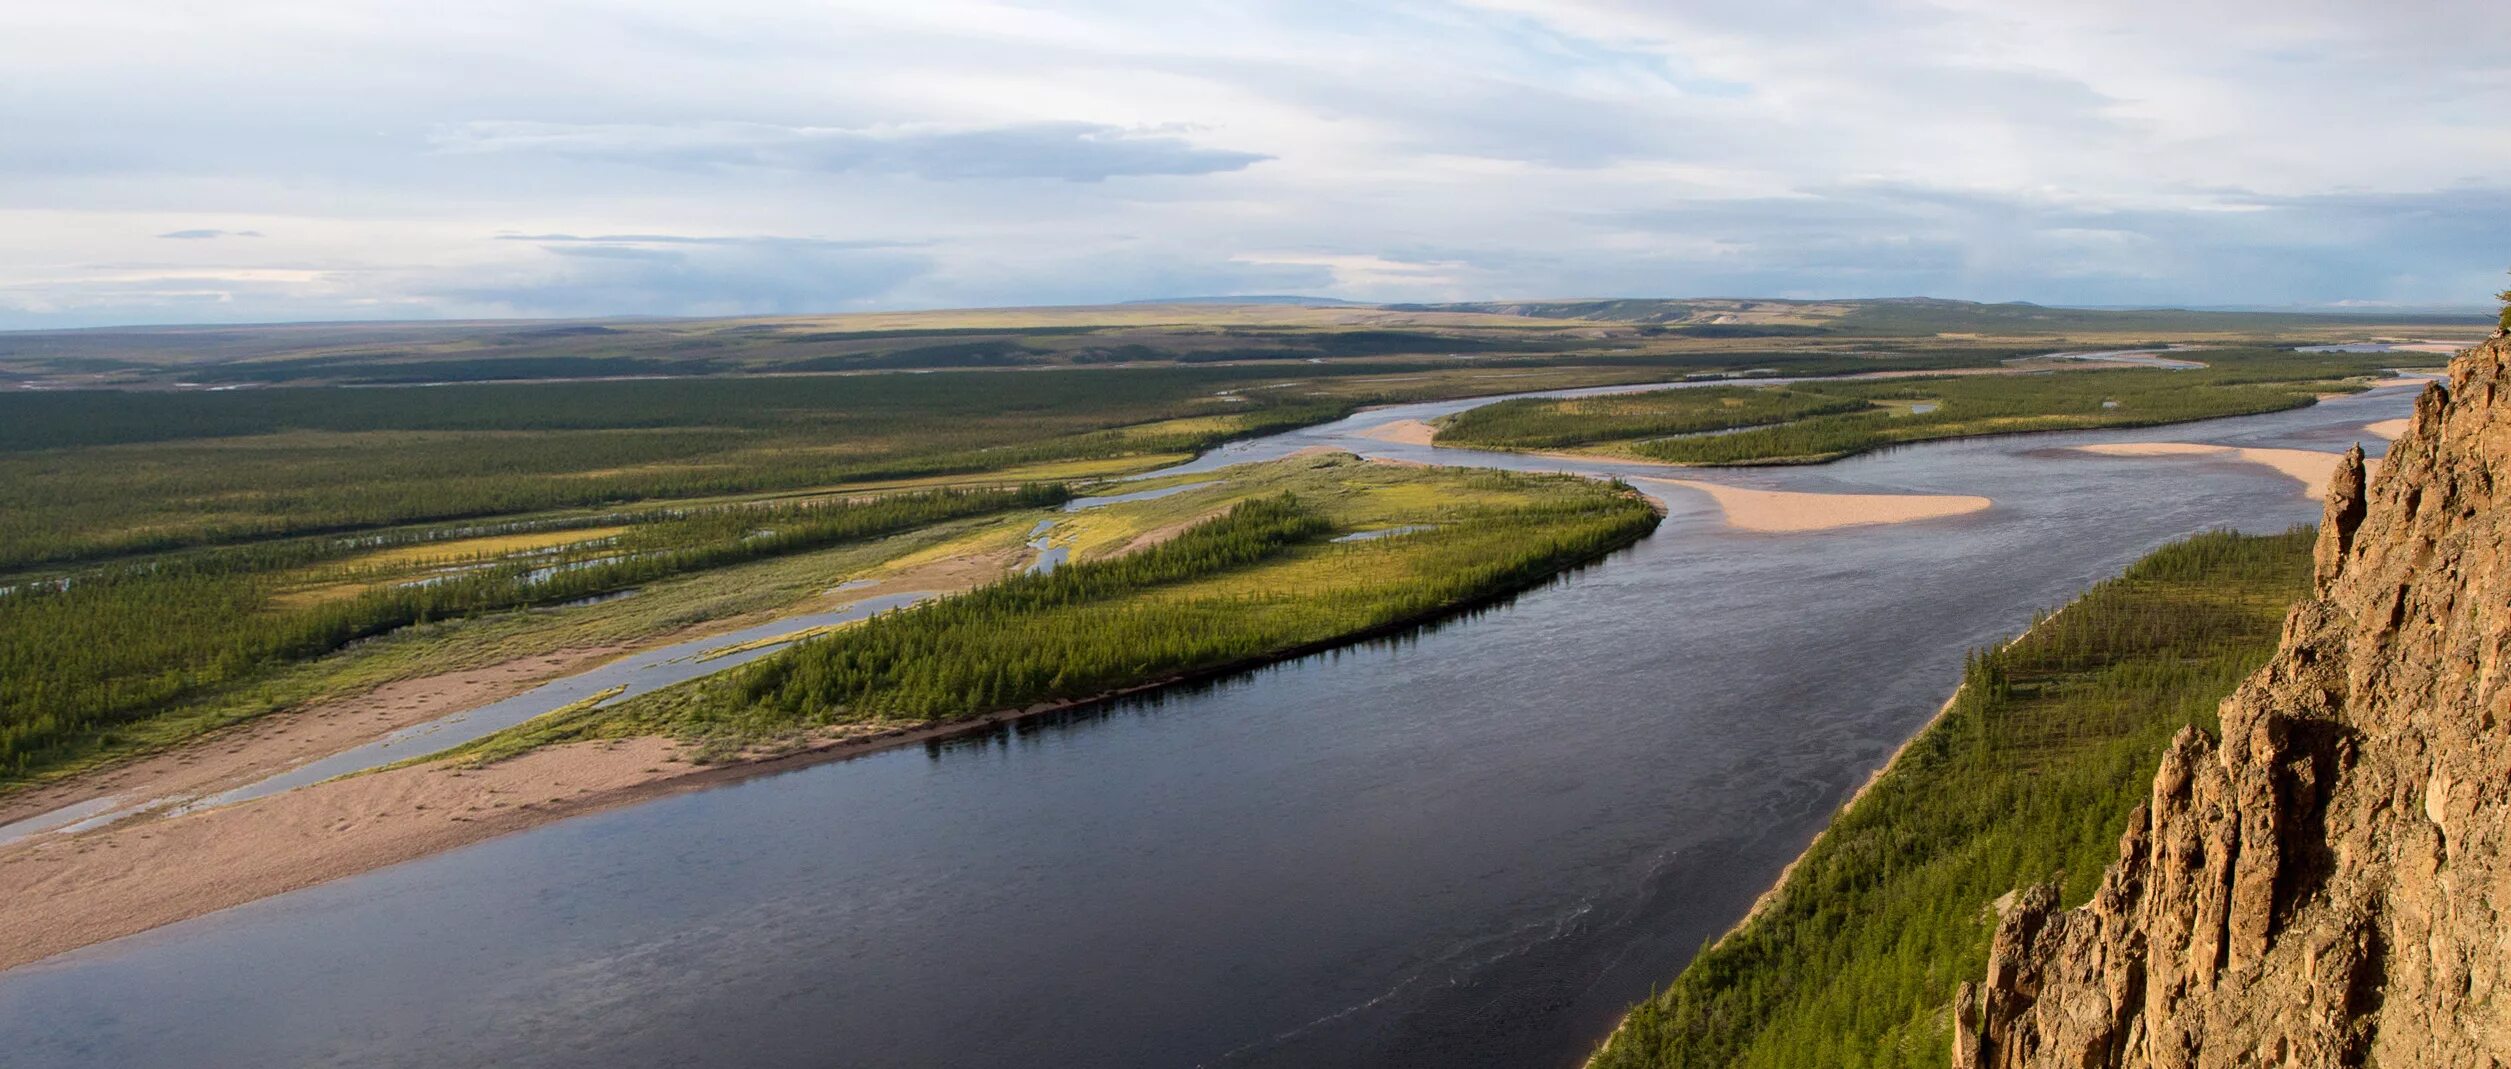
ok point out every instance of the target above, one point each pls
(1269, 299)
(1904, 316)
(1189, 330)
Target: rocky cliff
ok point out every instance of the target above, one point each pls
(2329, 884)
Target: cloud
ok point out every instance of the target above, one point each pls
(2235, 246)
(660, 274)
(702, 239)
(1070, 151)
(201, 235)
(766, 155)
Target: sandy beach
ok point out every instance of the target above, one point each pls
(70, 889)
(73, 890)
(1402, 432)
(1788, 511)
(2309, 467)
(267, 745)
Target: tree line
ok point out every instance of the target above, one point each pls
(1257, 580)
(2031, 774)
(122, 642)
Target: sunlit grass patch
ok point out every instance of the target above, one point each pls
(1258, 579)
(1058, 471)
(418, 553)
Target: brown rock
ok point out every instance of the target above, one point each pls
(2330, 884)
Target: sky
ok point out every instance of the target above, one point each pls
(175, 161)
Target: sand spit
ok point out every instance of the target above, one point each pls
(1788, 511)
(2309, 467)
(273, 743)
(1401, 432)
(267, 745)
(2388, 428)
(73, 890)
(69, 889)
(67, 892)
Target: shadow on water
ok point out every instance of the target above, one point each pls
(1185, 694)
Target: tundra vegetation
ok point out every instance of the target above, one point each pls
(1818, 421)
(118, 643)
(1262, 576)
(244, 521)
(2029, 775)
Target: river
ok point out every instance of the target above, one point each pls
(1471, 845)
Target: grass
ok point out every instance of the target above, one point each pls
(129, 657)
(479, 548)
(1538, 423)
(214, 541)
(714, 600)
(2030, 775)
(1256, 580)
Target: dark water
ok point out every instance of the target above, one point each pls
(1472, 846)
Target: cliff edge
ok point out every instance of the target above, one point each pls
(2330, 884)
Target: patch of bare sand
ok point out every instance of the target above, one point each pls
(2309, 467)
(1786, 511)
(1402, 432)
(1167, 531)
(2388, 428)
(275, 742)
(948, 575)
(68, 890)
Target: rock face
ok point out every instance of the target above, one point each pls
(2330, 884)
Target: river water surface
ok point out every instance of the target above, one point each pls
(1472, 845)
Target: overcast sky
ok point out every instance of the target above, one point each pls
(250, 160)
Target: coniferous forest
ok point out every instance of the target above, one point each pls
(1260, 579)
(2030, 774)
(1809, 422)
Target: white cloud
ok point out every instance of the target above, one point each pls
(778, 154)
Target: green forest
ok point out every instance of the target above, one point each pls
(1539, 423)
(119, 643)
(2030, 775)
(160, 549)
(1261, 579)
(1809, 422)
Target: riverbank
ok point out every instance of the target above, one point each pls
(2309, 467)
(153, 870)
(1794, 511)
(1807, 421)
(2026, 774)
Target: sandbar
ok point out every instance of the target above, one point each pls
(67, 889)
(275, 742)
(1401, 432)
(2309, 467)
(1788, 511)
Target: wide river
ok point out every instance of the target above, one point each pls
(1473, 845)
